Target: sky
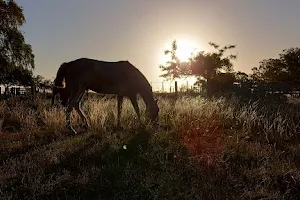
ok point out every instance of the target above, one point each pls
(140, 30)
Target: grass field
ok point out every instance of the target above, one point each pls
(203, 149)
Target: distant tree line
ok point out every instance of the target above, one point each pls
(215, 74)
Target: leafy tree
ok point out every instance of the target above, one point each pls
(38, 81)
(200, 84)
(291, 59)
(271, 70)
(20, 76)
(286, 68)
(241, 77)
(214, 67)
(16, 57)
(46, 84)
(174, 68)
(279, 74)
(41, 83)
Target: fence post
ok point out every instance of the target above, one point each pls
(176, 88)
(32, 88)
(18, 91)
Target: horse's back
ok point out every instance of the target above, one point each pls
(102, 69)
(104, 76)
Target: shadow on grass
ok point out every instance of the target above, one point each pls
(119, 171)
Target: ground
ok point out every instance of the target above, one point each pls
(221, 148)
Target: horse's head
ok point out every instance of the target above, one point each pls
(152, 111)
(62, 94)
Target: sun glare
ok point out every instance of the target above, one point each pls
(184, 49)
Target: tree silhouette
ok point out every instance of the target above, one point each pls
(215, 67)
(241, 77)
(284, 69)
(278, 75)
(271, 70)
(19, 76)
(46, 84)
(41, 83)
(172, 68)
(15, 55)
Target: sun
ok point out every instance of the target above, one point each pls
(185, 48)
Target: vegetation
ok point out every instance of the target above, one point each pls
(173, 68)
(16, 57)
(214, 70)
(230, 147)
(215, 73)
(283, 69)
(41, 83)
(202, 149)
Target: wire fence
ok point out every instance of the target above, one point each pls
(169, 87)
(161, 87)
(14, 90)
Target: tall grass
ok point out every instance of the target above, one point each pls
(221, 148)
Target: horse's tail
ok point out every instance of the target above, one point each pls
(61, 74)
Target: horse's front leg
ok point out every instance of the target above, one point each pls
(68, 120)
(82, 116)
(120, 103)
(134, 102)
(80, 113)
(73, 102)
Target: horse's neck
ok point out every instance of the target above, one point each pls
(144, 89)
(147, 97)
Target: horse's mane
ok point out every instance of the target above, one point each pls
(141, 78)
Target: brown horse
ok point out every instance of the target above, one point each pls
(120, 78)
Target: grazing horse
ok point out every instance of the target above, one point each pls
(120, 78)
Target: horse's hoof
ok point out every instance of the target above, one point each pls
(72, 130)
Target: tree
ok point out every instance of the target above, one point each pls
(46, 84)
(291, 59)
(174, 68)
(38, 81)
(241, 77)
(271, 70)
(19, 76)
(16, 57)
(41, 83)
(279, 74)
(286, 68)
(214, 67)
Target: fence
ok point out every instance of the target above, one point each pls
(169, 87)
(14, 90)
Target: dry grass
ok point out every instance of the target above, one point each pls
(203, 149)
